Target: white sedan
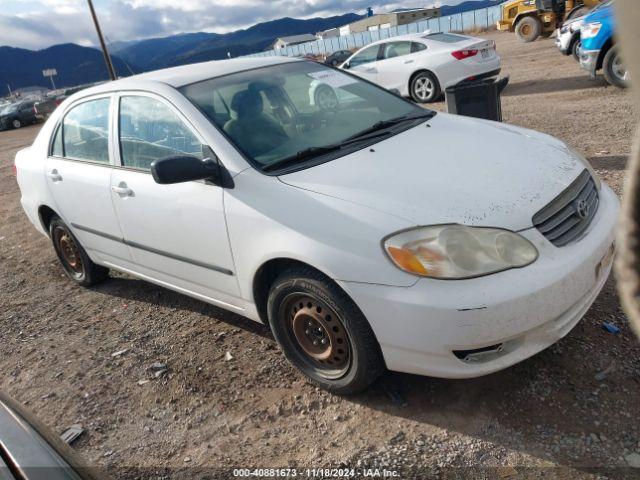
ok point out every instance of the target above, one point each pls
(422, 66)
(382, 235)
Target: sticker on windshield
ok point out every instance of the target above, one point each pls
(332, 78)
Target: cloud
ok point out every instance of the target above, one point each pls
(61, 21)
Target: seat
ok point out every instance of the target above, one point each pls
(252, 129)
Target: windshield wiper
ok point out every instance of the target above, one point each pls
(385, 124)
(301, 155)
(376, 130)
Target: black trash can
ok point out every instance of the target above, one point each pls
(480, 99)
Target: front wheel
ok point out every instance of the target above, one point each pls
(16, 123)
(326, 98)
(322, 332)
(74, 259)
(575, 49)
(424, 87)
(614, 69)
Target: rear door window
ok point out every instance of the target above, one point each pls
(85, 131)
(396, 49)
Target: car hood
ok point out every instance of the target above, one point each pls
(451, 169)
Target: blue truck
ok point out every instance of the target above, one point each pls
(599, 49)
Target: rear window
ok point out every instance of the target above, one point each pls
(445, 37)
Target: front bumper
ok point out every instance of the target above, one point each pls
(589, 61)
(563, 42)
(422, 329)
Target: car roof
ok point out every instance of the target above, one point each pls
(187, 74)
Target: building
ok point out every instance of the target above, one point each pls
(283, 42)
(401, 16)
(331, 33)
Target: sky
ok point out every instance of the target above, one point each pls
(37, 24)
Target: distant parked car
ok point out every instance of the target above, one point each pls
(18, 115)
(337, 58)
(599, 49)
(45, 107)
(568, 38)
(422, 65)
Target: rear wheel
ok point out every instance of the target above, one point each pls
(424, 87)
(528, 29)
(322, 332)
(16, 123)
(614, 69)
(74, 259)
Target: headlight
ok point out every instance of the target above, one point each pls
(590, 30)
(457, 251)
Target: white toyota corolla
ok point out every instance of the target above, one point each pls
(373, 234)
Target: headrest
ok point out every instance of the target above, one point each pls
(246, 103)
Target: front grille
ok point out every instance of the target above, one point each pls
(567, 217)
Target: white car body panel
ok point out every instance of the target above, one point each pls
(395, 73)
(334, 216)
(404, 168)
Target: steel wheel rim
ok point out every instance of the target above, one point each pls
(317, 334)
(69, 251)
(526, 29)
(618, 68)
(327, 100)
(423, 88)
(16, 124)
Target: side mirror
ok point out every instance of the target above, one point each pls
(186, 168)
(346, 66)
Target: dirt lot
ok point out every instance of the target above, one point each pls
(553, 415)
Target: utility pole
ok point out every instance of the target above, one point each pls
(107, 58)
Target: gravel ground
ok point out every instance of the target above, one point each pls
(569, 412)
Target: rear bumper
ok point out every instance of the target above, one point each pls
(422, 329)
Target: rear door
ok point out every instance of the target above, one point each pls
(364, 63)
(78, 173)
(397, 63)
(177, 233)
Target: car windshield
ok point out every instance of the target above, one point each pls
(8, 108)
(295, 112)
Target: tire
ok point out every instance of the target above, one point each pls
(307, 310)
(334, 62)
(74, 259)
(424, 87)
(578, 12)
(575, 49)
(325, 98)
(613, 68)
(528, 29)
(16, 123)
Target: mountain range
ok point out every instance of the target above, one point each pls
(78, 65)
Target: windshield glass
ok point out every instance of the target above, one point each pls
(275, 113)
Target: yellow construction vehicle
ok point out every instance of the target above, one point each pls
(533, 18)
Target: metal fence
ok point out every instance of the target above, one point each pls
(482, 18)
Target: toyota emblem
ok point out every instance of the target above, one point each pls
(582, 209)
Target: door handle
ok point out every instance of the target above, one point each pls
(408, 61)
(54, 175)
(371, 70)
(122, 190)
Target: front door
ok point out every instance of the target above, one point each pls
(364, 64)
(177, 233)
(78, 174)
